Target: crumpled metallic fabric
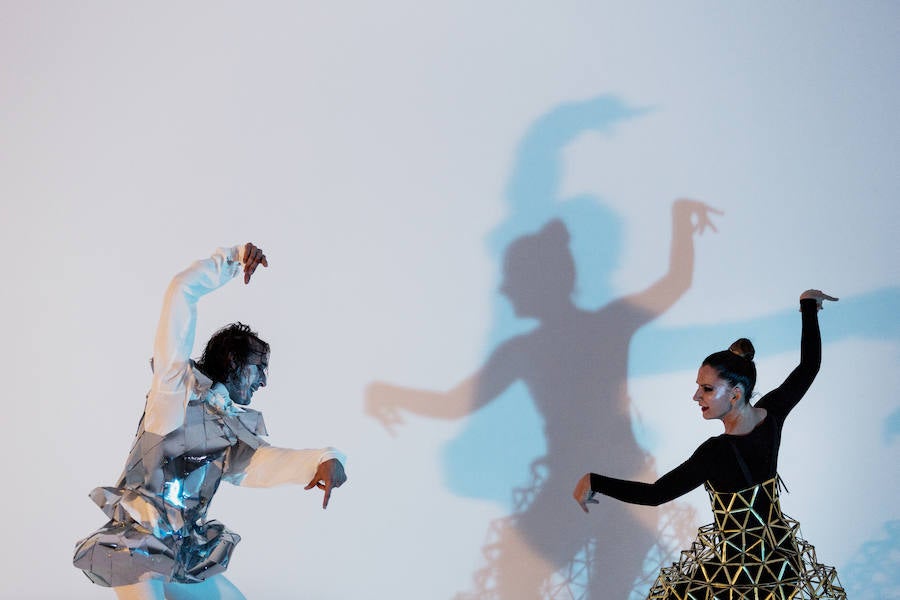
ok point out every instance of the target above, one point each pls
(751, 551)
(157, 511)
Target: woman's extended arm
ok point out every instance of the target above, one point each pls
(786, 396)
(677, 482)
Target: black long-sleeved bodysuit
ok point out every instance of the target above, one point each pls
(715, 460)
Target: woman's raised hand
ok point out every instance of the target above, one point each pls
(818, 296)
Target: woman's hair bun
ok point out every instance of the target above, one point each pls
(743, 348)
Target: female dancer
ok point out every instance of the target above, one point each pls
(194, 433)
(752, 550)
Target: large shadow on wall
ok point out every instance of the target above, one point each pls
(559, 344)
(551, 398)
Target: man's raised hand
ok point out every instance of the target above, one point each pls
(253, 257)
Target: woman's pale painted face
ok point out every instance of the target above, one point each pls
(714, 395)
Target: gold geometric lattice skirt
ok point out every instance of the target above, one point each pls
(751, 552)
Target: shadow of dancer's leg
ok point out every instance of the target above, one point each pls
(521, 569)
(552, 532)
(621, 546)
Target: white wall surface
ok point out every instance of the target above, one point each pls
(384, 154)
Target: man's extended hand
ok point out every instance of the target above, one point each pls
(329, 475)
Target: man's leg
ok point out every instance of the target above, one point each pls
(145, 590)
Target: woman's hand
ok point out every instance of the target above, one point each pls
(253, 257)
(818, 296)
(583, 493)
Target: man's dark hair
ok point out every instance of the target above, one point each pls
(229, 350)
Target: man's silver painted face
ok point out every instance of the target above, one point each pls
(243, 384)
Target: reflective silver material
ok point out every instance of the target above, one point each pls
(158, 508)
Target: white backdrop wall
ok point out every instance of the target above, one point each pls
(385, 155)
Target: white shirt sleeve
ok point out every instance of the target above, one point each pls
(172, 379)
(270, 466)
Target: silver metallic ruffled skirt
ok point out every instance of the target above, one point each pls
(157, 526)
(122, 553)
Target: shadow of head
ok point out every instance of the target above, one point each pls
(539, 272)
